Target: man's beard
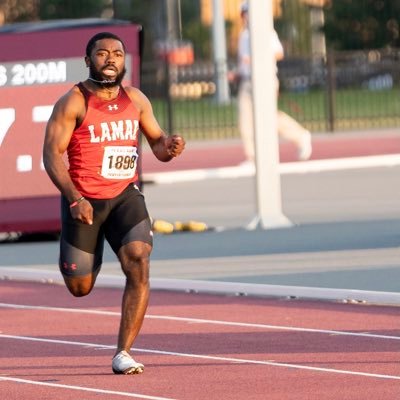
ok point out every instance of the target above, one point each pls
(104, 82)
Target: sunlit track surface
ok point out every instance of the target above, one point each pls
(195, 346)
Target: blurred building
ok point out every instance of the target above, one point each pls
(232, 16)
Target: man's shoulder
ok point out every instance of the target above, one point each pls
(72, 95)
(72, 102)
(131, 90)
(135, 94)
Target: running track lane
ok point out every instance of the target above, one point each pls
(195, 346)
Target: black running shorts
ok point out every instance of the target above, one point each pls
(120, 220)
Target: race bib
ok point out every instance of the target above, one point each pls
(119, 162)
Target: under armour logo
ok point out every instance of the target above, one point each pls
(71, 267)
(113, 107)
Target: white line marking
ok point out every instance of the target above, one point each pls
(300, 167)
(85, 389)
(337, 164)
(204, 321)
(278, 327)
(207, 357)
(57, 341)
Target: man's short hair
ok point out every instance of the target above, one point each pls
(99, 36)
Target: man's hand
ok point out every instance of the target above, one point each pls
(175, 145)
(83, 211)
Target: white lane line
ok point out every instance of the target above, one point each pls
(208, 357)
(297, 167)
(205, 321)
(278, 327)
(84, 389)
(337, 164)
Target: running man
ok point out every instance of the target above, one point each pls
(97, 123)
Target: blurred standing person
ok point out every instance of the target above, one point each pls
(97, 123)
(288, 128)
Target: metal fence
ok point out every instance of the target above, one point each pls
(184, 100)
(345, 91)
(348, 90)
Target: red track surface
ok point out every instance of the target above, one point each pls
(272, 350)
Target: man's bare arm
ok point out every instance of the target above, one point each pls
(58, 135)
(164, 147)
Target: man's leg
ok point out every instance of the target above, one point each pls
(290, 129)
(134, 258)
(128, 230)
(245, 119)
(81, 285)
(81, 251)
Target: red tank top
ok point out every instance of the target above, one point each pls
(103, 151)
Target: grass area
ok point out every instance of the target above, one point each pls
(353, 109)
(199, 119)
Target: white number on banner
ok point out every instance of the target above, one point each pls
(7, 118)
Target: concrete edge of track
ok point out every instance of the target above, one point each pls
(300, 167)
(30, 274)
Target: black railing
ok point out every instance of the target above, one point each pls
(345, 91)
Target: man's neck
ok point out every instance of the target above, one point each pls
(104, 92)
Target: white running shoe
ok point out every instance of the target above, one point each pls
(305, 148)
(123, 363)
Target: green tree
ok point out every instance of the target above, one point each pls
(18, 11)
(293, 27)
(34, 10)
(362, 24)
(55, 9)
(193, 29)
(152, 15)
